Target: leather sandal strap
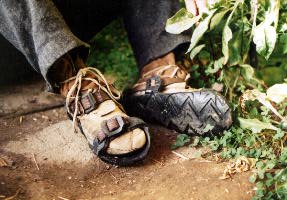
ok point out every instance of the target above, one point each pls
(153, 82)
(89, 102)
(167, 70)
(112, 128)
(167, 74)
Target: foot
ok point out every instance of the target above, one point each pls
(162, 95)
(91, 103)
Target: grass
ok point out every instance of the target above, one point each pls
(112, 54)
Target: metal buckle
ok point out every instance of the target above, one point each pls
(121, 124)
(89, 99)
(153, 85)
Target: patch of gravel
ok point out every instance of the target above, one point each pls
(55, 144)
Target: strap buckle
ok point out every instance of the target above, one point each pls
(88, 102)
(153, 85)
(115, 125)
(72, 107)
(110, 128)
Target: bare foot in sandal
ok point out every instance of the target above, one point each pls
(92, 105)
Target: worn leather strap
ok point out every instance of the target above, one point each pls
(89, 102)
(110, 128)
(167, 70)
(168, 75)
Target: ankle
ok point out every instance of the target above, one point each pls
(64, 68)
(168, 59)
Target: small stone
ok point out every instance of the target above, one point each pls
(108, 167)
(45, 117)
(21, 119)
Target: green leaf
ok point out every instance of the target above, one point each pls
(216, 19)
(208, 128)
(181, 140)
(272, 15)
(200, 30)
(252, 178)
(259, 164)
(227, 34)
(195, 142)
(280, 134)
(226, 37)
(218, 64)
(240, 43)
(277, 93)
(255, 125)
(196, 50)
(265, 33)
(181, 21)
(262, 98)
(247, 71)
(283, 43)
(265, 39)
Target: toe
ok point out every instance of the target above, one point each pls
(127, 143)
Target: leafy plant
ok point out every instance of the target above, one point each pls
(242, 44)
(181, 140)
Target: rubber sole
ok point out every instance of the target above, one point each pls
(194, 113)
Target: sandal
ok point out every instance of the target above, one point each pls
(162, 95)
(113, 136)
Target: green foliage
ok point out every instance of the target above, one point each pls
(112, 54)
(243, 44)
(181, 21)
(200, 30)
(255, 125)
(229, 34)
(181, 140)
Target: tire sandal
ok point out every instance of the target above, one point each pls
(92, 105)
(162, 95)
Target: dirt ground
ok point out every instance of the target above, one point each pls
(47, 160)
